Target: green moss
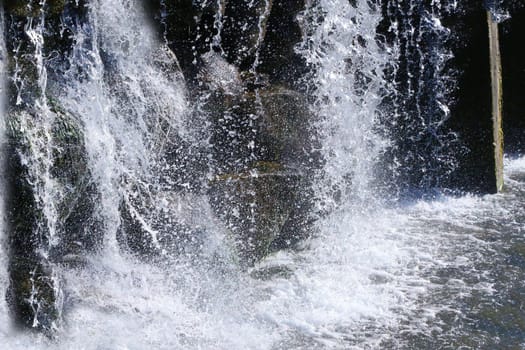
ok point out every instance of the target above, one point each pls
(22, 8)
(268, 167)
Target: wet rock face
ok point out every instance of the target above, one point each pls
(157, 226)
(264, 161)
(188, 28)
(26, 8)
(243, 30)
(239, 30)
(35, 243)
(26, 235)
(51, 198)
(263, 153)
(79, 230)
(443, 96)
(240, 62)
(256, 205)
(34, 295)
(278, 57)
(269, 125)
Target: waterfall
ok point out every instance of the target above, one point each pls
(424, 150)
(132, 101)
(349, 86)
(233, 175)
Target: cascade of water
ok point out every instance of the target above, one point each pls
(36, 191)
(217, 24)
(348, 87)
(37, 120)
(357, 282)
(133, 105)
(263, 19)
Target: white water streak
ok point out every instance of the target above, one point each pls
(129, 118)
(348, 83)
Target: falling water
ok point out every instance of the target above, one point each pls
(373, 275)
(132, 102)
(348, 87)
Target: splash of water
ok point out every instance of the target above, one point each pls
(357, 283)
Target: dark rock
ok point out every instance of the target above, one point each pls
(188, 28)
(256, 205)
(34, 294)
(152, 229)
(27, 234)
(243, 30)
(471, 114)
(271, 124)
(440, 116)
(239, 60)
(513, 61)
(35, 245)
(25, 8)
(278, 57)
(79, 229)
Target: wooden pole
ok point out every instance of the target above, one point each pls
(497, 98)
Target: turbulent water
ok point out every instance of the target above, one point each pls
(446, 273)
(441, 274)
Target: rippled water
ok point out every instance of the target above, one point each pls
(441, 274)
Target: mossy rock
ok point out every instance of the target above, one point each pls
(69, 168)
(62, 18)
(256, 205)
(271, 124)
(264, 153)
(32, 252)
(286, 124)
(154, 232)
(25, 8)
